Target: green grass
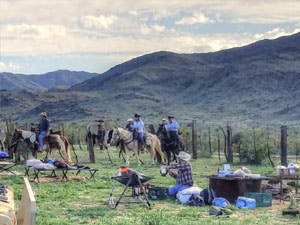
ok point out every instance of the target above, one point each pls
(83, 201)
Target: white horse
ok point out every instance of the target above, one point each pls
(130, 144)
(2, 138)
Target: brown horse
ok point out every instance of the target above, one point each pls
(51, 143)
(130, 144)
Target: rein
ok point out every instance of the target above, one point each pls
(125, 138)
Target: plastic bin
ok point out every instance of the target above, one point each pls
(262, 199)
(157, 193)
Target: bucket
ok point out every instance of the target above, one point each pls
(157, 193)
(246, 203)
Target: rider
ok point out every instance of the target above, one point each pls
(138, 126)
(129, 125)
(44, 129)
(172, 127)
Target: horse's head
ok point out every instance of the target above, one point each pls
(115, 136)
(161, 130)
(16, 136)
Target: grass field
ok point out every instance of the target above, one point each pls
(83, 201)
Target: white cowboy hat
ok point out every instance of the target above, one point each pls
(43, 114)
(184, 156)
(129, 120)
(164, 119)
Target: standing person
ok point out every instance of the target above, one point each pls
(44, 129)
(184, 178)
(138, 126)
(101, 131)
(172, 127)
(129, 125)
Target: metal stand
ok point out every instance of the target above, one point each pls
(136, 184)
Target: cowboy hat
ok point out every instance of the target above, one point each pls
(137, 115)
(184, 156)
(43, 114)
(129, 120)
(164, 119)
(101, 121)
(170, 117)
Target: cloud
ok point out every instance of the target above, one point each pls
(151, 29)
(197, 18)
(33, 31)
(2, 66)
(99, 21)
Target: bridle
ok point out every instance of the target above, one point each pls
(125, 138)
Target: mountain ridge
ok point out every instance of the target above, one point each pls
(257, 82)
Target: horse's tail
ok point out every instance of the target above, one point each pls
(67, 149)
(158, 152)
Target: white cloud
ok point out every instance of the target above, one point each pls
(151, 29)
(33, 31)
(195, 19)
(98, 22)
(2, 66)
(13, 66)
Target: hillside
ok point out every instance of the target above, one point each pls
(255, 83)
(42, 82)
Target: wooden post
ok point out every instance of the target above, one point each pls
(229, 144)
(194, 139)
(283, 155)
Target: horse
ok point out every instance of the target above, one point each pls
(102, 142)
(168, 144)
(2, 138)
(51, 142)
(152, 144)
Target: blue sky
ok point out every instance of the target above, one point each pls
(37, 37)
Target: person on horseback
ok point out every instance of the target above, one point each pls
(129, 125)
(172, 127)
(138, 126)
(44, 129)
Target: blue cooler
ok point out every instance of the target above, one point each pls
(246, 203)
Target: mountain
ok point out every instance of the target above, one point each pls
(257, 83)
(42, 82)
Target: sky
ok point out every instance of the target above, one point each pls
(37, 36)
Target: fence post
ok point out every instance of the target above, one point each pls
(194, 139)
(283, 155)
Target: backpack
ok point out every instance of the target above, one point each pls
(60, 164)
(208, 195)
(196, 200)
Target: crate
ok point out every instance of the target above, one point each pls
(262, 199)
(157, 193)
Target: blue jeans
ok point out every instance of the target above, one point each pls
(172, 191)
(141, 138)
(41, 139)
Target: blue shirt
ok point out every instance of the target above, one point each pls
(44, 125)
(139, 125)
(172, 126)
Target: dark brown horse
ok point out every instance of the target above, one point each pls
(168, 144)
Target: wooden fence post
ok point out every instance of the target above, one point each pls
(229, 144)
(283, 155)
(194, 139)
